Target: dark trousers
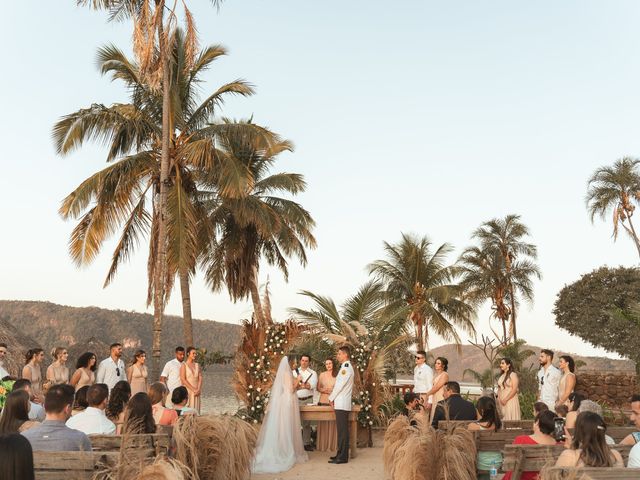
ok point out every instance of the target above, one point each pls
(342, 425)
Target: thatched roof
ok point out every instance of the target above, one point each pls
(17, 345)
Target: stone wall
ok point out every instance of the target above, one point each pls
(610, 388)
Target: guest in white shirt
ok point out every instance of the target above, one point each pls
(634, 457)
(170, 375)
(423, 378)
(306, 390)
(36, 411)
(548, 379)
(93, 420)
(111, 370)
(3, 353)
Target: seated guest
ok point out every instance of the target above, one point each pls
(634, 457)
(575, 399)
(158, 392)
(179, 399)
(538, 408)
(53, 434)
(453, 407)
(562, 411)
(591, 406)
(411, 402)
(489, 420)
(588, 447)
(16, 458)
(118, 398)
(15, 414)
(138, 417)
(543, 428)
(36, 411)
(634, 437)
(80, 402)
(93, 420)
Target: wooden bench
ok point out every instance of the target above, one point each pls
(155, 443)
(525, 424)
(596, 473)
(487, 441)
(71, 465)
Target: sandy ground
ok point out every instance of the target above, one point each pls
(366, 466)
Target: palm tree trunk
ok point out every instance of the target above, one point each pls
(187, 322)
(635, 236)
(419, 332)
(255, 298)
(513, 313)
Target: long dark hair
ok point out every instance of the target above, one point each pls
(334, 371)
(590, 439)
(80, 401)
(138, 417)
(444, 362)
(488, 412)
(16, 457)
(509, 371)
(32, 353)
(570, 361)
(576, 399)
(85, 358)
(546, 422)
(15, 412)
(120, 394)
(137, 355)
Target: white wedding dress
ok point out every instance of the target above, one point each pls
(279, 444)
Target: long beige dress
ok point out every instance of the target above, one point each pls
(438, 396)
(86, 379)
(138, 379)
(36, 380)
(193, 377)
(510, 411)
(563, 383)
(327, 440)
(57, 374)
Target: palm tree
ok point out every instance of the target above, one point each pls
(504, 236)
(414, 275)
(486, 378)
(614, 189)
(257, 225)
(125, 195)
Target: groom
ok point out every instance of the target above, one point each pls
(340, 399)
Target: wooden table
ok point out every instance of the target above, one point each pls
(327, 414)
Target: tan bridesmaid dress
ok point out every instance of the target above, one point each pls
(510, 411)
(327, 440)
(193, 375)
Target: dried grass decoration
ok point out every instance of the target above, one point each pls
(422, 453)
(215, 447)
(165, 469)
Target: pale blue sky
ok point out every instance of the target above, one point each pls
(411, 116)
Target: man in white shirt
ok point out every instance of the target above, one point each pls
(423, 379)
(36, 411)
(170, 375)
(306, 389)
(634, 457)
(340, 399)
(548, 379)
(3, 353)
(111, 370)
(93, 420)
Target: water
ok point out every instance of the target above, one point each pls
(217, 393)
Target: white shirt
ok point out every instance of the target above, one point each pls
(634, 457)
(423, 379)
(343, 388)
(107, 372)
(171, 372)
(548, 392)
(36, 412)
(92, 421)
(308, 376)
(3, 372)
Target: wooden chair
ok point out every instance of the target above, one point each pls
(597, 473)
(71, 465)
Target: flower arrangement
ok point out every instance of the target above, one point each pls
(5, 389)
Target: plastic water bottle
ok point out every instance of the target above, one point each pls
(493, 471)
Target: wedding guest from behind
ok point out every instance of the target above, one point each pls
(423, 379)
(84, 376)
(170, 375)
(138, 417)
(488, 420)
(591, 406)
(543, 428)
(588, 447)
(308, 382)
(634, 437)
(161, 415)
(340, 399)
(191, 377)
(58, 372)
(538, 408)
(4, 350)
(93, 420)
(111, 370)
(458, 407)
(411, 404)
(575, 399)
(548, 379)
(180, 399)
(118, 399)
(508, 384)
(568, 380)
(440, 379)
(53, 434)
(80, 402)
(562, 411)
(36, 410)
(15, 414)
(327, 439)
(137, 373)
(32, 371)
(16, 458)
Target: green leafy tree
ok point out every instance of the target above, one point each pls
(486, 378)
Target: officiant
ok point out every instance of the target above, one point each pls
(306, 391)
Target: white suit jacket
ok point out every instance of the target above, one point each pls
(342, 390)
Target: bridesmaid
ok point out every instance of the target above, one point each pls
(327, 433)
(32, 372)
(137, 373)
(440, 377)
(568, 380)
(85, 371)
(191, 377)
(508, 384)
(58, 372)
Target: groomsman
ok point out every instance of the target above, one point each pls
(111, 370)
(548, 379)
(340, 399)
(306, 389)
(423, 379)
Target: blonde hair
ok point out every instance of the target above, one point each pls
(57, 351)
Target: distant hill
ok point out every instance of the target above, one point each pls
(51, 325)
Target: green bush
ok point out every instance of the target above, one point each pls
(527, 399)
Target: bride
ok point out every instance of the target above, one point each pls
(279, 444)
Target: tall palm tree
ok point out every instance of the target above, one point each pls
(615, 189)
(257, 225)
(125, 195)
(414, 275)
(504, 236)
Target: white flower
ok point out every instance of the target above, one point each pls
(251, 365)
(248, 394)
(361, 393)
(250, 387)
(373, 384)
(370, 423)
(253, 409)
(258, 388)
(255, 421)
(244, 417)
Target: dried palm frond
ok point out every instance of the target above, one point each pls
(458, 454)
(165, 469)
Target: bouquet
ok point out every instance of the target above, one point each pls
(5, 389)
